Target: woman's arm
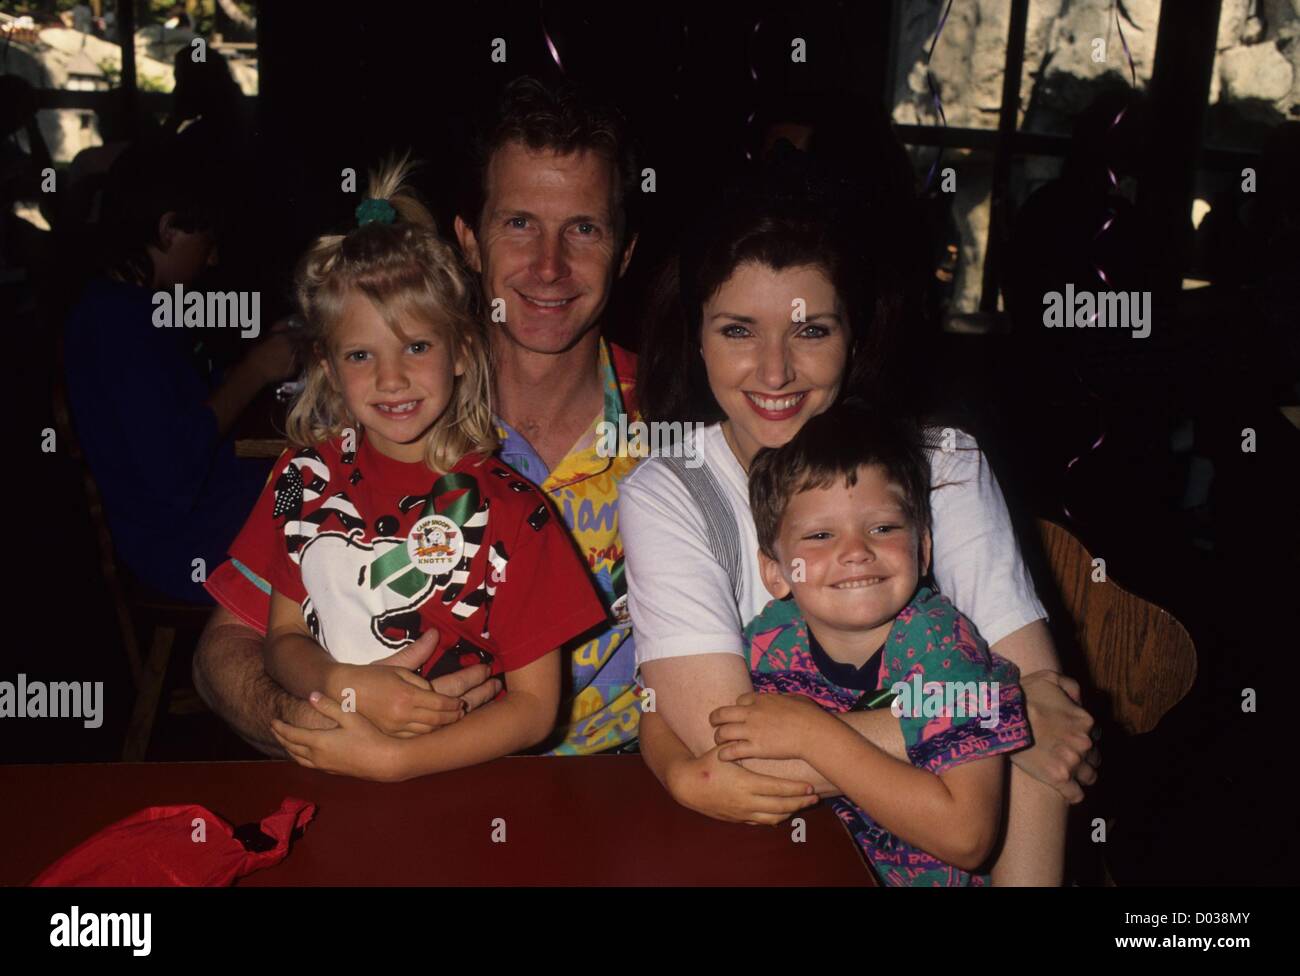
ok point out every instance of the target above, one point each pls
(715, 788)
(688, 689)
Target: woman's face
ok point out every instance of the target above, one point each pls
(775, 345)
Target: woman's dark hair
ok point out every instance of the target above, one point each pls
(789, 220)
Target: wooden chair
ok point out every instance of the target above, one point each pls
(139, 610)
(1136, 653)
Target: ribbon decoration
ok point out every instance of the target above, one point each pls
(934, 92)
(398, 558)
(1106, 225)
(753, 74)
(550, 44)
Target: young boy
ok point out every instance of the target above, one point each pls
(843, 519)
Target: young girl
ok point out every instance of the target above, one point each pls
(395, 519)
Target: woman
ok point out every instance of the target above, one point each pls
(765, 313)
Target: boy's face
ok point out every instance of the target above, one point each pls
(851, 555)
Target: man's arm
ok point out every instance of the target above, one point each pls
(230, 677)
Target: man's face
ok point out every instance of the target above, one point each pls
(546, 244)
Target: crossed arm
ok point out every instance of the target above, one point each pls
(678, 745)
(230, 676)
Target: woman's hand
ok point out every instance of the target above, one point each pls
(355, 748)
(1062, 756)
(729, 791)
(765, 727)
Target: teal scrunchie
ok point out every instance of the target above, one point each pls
(370, 209)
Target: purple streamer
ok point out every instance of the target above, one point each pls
(550, 44)
(1110, 218)
(934, 93)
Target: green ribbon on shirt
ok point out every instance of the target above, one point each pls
(459, 511)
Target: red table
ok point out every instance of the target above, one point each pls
(598, 820)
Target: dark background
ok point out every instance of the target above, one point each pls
(1202, 799)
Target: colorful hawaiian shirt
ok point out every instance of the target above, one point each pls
(604, 703)
(931, 649)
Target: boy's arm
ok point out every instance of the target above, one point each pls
(687, 689)
(953, 815)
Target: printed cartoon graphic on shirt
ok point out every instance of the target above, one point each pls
(373, 588)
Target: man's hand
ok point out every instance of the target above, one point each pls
(728, 791)
(765, 726)
(1062, 756)
(354, 748)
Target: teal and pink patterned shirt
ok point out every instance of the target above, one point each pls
(933, 649)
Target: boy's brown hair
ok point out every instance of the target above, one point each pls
(835, 444)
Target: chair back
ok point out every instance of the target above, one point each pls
(1135, 652)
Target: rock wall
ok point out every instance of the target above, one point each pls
(1256, 82)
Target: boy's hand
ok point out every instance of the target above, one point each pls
(355, 748)
(765, 726)
(397, 700)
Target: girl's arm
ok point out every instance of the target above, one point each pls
(521, 718)
(293, 658)
(397, 700)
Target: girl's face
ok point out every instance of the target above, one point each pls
(395, 387)
(775, 345)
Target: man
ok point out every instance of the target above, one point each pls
(546, 228)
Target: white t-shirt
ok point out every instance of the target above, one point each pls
(686, 600)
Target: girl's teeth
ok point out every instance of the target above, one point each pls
(563, 301)
(785, 403)
(856, 584)
(403, 408)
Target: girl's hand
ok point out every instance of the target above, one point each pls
(355, 748)
(397, 700)
(728, 791)
(765, 726)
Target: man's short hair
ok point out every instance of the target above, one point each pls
(562, 119)
(835, 444)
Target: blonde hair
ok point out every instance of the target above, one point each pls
(406, 270)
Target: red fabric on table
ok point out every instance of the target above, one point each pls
(156, 847)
